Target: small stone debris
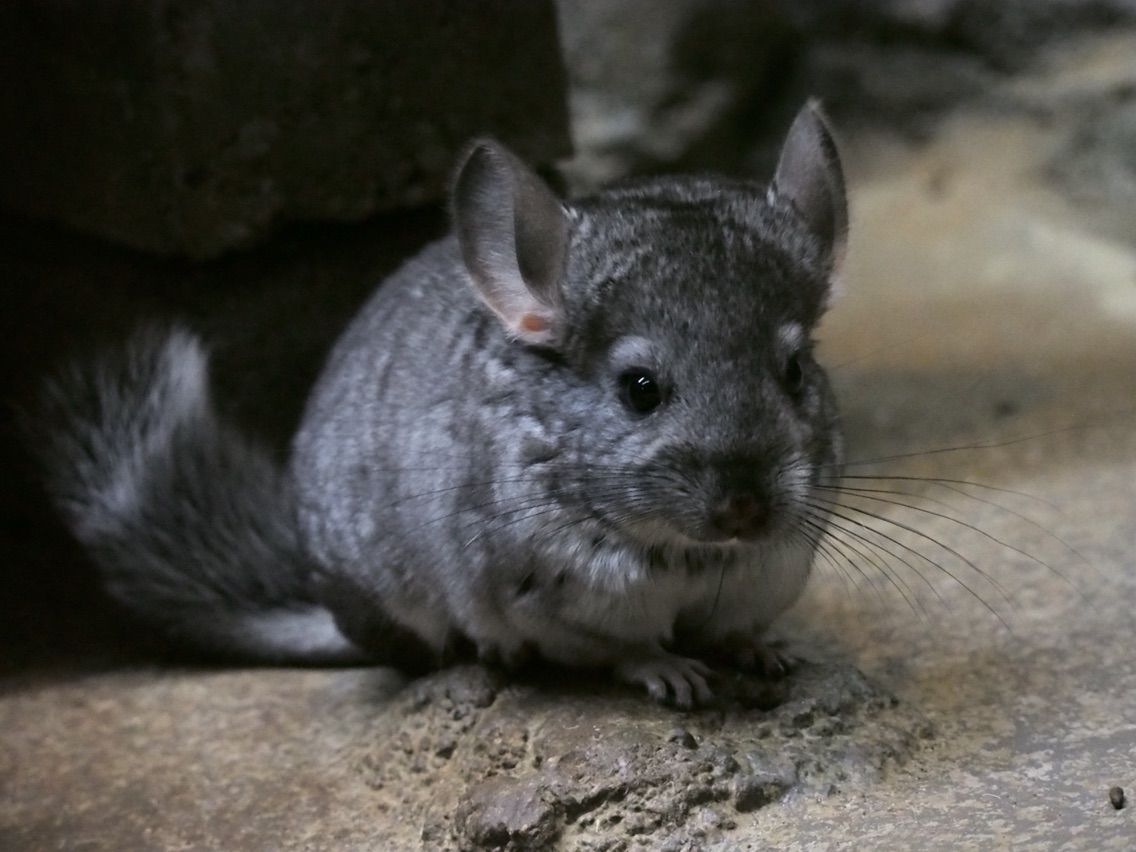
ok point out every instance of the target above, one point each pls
(757, 791)
(1116, 797)
(684, 737)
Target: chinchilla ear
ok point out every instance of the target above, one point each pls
(513, 234)
(809, 176)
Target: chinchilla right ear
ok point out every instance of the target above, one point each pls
(513, 233)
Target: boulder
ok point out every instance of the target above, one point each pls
(197, 126)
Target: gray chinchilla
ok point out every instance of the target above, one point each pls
(589, 429)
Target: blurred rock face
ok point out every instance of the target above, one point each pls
(195, 126)
(666, 82)
(679, 84)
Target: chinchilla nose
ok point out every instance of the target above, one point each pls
(740, 515)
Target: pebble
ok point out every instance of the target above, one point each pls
(683, 736)
(1116, 797)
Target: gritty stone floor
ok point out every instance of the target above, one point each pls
(970, 679)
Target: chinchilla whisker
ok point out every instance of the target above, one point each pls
(717, 593)
(829, 504)
(460, 466)
(855, 490)
(944, 482)
(538, 508)
(526, 506)
(717, 599)
(830, 545)
(824, 549)
(888, 572)
(915, 531)
(531, 478)
(561, 490)
(836, 536)
(995, 585)
(877, 555)
(832, 519)
(523, 502)
(437, 492)
(522, 514)
(891, 575)
(574, 522)
(823, 542)
(848, 553)
(984, 445)
(957, 521)
(489, 483)
(994, 504)
(800, 533)
(923, 557)
(839, 555)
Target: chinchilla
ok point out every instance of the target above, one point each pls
(589, 429)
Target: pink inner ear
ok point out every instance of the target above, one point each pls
(532, 323)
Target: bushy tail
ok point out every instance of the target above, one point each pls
(190, 524)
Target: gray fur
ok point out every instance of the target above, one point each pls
(458, 479)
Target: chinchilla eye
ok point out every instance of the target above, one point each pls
(794, 376)
(640, 391)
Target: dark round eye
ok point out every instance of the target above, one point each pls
(640, 391)
(794, 377)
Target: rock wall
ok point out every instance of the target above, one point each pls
(196, 126)
(660, 85)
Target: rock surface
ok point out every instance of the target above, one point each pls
(677, 84)
(666, 83)
(196, 126)
(591, 767)
(1006, 34)
(458, 760)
